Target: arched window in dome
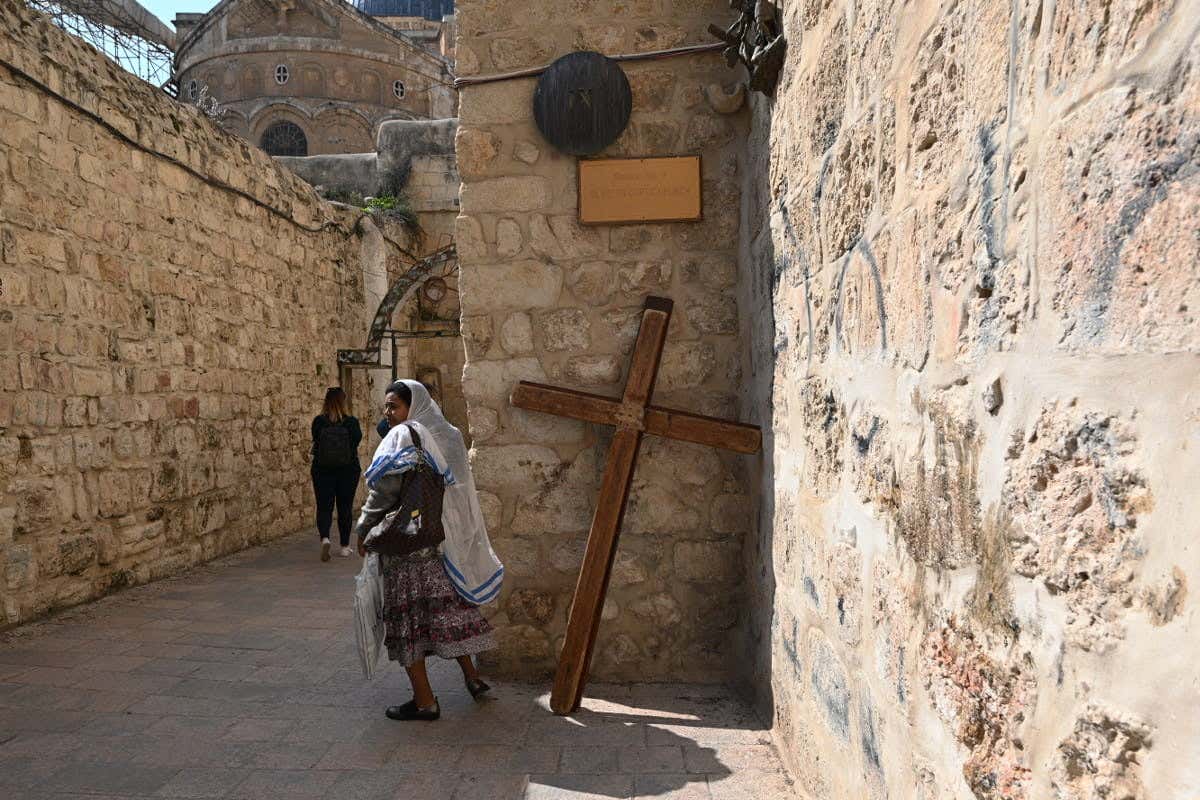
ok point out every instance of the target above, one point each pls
(398, 89)
(282, 74)
(284, 138)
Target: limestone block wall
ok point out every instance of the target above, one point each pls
(969, 269)
(434, 183)
(172, 302)
(546, 299)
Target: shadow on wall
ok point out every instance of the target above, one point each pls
(760, 268)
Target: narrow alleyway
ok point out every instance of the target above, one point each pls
(239, 680)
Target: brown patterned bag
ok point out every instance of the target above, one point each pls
(417, 521)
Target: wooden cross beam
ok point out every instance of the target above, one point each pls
(633, 416)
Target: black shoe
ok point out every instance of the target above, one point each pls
(410, 711)
(477, 688)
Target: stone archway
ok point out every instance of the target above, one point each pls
(371, 355)
(418, 352)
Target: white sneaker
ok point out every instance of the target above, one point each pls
(324, 549)
(346, 552)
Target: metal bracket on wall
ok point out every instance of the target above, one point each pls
(755, 39)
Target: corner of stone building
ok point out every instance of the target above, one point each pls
(547, 299)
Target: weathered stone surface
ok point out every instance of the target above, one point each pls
(526, 152)
(987, 208)
(660, 610)
(491, 382)
(512, 466)
(1074, 497)
(563, 239)
(478, 335)
(1123, 268)
(591, 282)
(517, 285)
(826, 92)
(476, 150)
(492, 508)
(714, 314)
(565, 504)
(849, 190)
(511, 194)
(1101, 756)
(708, 562)
(509, 239)
(565, 329)
(686, 365)
(593, 370)
(516, 334)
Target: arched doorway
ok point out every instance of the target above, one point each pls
(427, 346)
(284, 138)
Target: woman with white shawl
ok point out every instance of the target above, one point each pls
(431, 596)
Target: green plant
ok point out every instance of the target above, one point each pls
(394, 207)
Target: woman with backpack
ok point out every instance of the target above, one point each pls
(432, 544)
(335, 467)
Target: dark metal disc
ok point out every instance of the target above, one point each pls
(582, 103)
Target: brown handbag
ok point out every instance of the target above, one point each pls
(417, 521)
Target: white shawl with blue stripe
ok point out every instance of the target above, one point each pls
(467, 554)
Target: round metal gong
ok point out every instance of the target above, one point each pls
(582, 103)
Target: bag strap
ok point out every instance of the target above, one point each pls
(416, 437)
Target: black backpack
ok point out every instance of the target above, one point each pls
(421, 491)
(333, 447)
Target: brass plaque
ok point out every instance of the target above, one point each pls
(613, 191)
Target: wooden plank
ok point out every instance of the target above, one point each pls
(666, 422)
(699, 429)
(592, 585)
(565, 403)
(647, 352)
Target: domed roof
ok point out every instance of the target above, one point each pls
(429, 9)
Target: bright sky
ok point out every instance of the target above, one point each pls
(167, 9)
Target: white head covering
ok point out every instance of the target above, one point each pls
(470, 562)
(397, 453)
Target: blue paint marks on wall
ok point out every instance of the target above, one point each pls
(810, 589)
(868, 738)
(829, 684)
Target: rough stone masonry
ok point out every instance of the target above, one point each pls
(970, 267)
(963, 304)
(951, 267)
(172, 303)
(546, 299)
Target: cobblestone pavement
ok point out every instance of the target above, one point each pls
(239, 680)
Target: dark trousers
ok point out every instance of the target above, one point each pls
(335, 486)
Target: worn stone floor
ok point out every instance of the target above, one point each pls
(239, 680)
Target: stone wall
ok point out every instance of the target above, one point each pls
(970, 249)
(415, 157)
(172, 305)
(548, 300)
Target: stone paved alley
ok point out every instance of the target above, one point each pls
(239, 680)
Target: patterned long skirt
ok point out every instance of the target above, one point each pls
(424, 615)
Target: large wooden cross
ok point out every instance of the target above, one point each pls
(633, 417)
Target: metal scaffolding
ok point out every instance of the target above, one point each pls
(122, 30)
